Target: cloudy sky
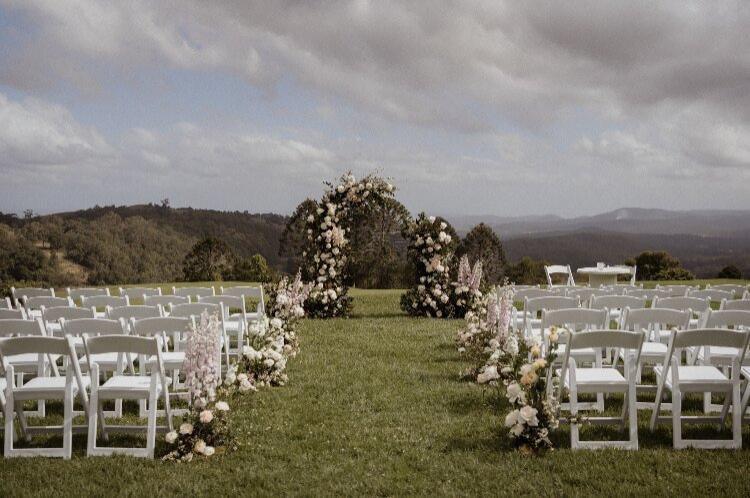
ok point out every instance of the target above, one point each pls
(472, 107)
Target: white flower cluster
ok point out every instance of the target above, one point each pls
(198, 433)
(432, 250)
(466, 287)
(328, 230)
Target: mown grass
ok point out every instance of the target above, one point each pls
(375, 406)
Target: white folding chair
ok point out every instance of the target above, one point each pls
(571, 320)
(737, 290)
(248, 292)
(615, 305)
(165, 300)
(193, 292)
(79, 328)
(552, 270)
(102, 302)
(41, 388)
(681, 379)
(164, 328)
(735, 304)
(531, 292)
(18, 293)
(139, 292)
(235, 324)
(51, 317)
(598, 380)
(721, 356)
(533, 306)
(657, 325)
(28, 364)
(136, 387)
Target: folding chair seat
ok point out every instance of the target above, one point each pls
(570, 321)
(41, 388)
(598, 380)
(137, 387)
(680, 379)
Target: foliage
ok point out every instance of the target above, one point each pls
(329, 230)
(527, 272)
(674, 274)
(252, 269)
(730, 271)
(482, 244)
(653, 263)
(294, 241)
(431, 251)
(209, 259)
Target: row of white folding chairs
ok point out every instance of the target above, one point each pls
(672, 376)
(31, 351)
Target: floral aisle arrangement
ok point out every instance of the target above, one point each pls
(467, 293)
(206, 425)
(515, 364)
(431, 250)
(328, 229)
(272, 340)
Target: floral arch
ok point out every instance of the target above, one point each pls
(328, 233)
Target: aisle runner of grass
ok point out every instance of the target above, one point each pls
(374, 406)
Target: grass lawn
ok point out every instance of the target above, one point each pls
(375, 406)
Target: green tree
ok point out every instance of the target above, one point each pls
(481, 243)
(527, 271)
(657, 265)
(293, 241)
(252, 269)
(730, 271)
(210, 259)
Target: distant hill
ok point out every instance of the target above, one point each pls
(246, 233)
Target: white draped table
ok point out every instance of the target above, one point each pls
(603, 275)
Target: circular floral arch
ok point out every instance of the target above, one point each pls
(328, 231)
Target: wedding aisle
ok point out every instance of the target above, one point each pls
(375, 406)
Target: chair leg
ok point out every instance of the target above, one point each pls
(9, 436)
(68, 420)
(574, 434)
(93, 408)
(736, 417)
(151, 431)
(677, 419)
(633, 415)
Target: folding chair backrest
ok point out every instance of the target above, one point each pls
(194, 310)
(164, 300)
(15, 327)
(162, 325)
(727, 319)
(736, 304)
(676, 290)
(137, 312)
(531, 293)
(617, 302)
(735, 289)
(253, 292)
(5, 304)
(650, 294)
(716, 295)
(622, 289)
(655, 318)
(191, 292)
(34, 344)
(229, 302)
(19, 314)
(93, 327)
(549, 303)
(710, 337)
(575, 319)
(20, 292)
(76, 294)
(146, 346)
(624, 339)
(104, 301)
(35, 303)
(696, 304)
(585, 294)
(139, 292)
(66, 312)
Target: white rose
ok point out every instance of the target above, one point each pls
(222, 406)
(431, 219)
(242, 377)
(186, 428)
(516, 430)
(268, 362)
(206, 416)
(515, 393)
(276, 323)
(443, 225)
(489, 374)
(511, 418)
(209, 450)
(246, 385)
(310, 219)
(171, 437)
(528, 415)
(200, 446)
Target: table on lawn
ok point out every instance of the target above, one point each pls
(606, 275)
